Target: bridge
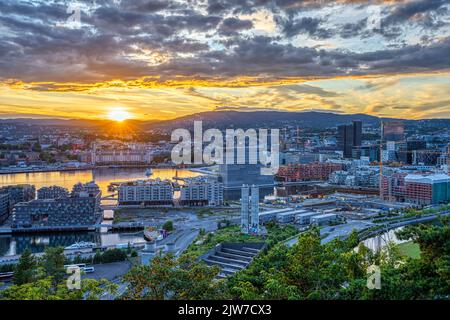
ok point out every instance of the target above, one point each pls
(415, 220)
(112, 196)
(364, 231)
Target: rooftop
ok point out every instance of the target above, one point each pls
(430, 178)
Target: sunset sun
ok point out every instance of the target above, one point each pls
(119, 115)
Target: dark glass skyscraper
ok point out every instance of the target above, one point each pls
(357, 133)
(349, 136)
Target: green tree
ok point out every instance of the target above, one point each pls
(43, 289)
(53, 264)
(113, 255)
(308, 270)
(36, 147)
(25, 271)
(168, 225)
(196, 281)
(404, 278)
(169, 278)
(150, 282)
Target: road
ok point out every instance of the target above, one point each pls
(339, 231)
(343, 230)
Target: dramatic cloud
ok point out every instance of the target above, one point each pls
(187, 45)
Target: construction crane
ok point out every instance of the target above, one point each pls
(381, 161)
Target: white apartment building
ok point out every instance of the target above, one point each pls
(149, 192)
(201, 191)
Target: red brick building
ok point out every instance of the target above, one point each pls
(307, 172)
(416, 188)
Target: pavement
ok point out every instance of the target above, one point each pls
(109, 271)
(340, 231)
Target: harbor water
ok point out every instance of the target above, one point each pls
(15, 244)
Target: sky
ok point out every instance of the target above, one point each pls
(162, 59)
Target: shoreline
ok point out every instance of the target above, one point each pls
(86, 168)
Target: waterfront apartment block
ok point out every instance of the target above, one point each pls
(148, 193)
(201, 191)
(53, 192)
(4, 207)
(19, 193)
(90, 189)
(62, 212)
(308, 172)
(11, 195)
(420, 189)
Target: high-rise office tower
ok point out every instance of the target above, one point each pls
(349, 137)
(357, 133)
(345, 139)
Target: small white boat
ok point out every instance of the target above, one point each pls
(148, 172)
(151, 234)
(81, 245)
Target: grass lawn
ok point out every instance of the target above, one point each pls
(409, 249)
(233, 234)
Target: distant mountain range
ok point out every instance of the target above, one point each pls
(237, 119)
(268, 119)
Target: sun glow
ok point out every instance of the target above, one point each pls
(119, 114)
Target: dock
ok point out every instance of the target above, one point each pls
(123, 226)
(5, 231)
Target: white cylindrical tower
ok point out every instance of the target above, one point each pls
(254, 209)
(245, 208)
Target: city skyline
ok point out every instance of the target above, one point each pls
(157, 60)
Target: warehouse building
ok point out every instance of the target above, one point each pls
(289, 217)
(286, 217)
(268, 216)
(305, 217)
(323, 219)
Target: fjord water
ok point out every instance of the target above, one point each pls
(102, 176)
(12, 245)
